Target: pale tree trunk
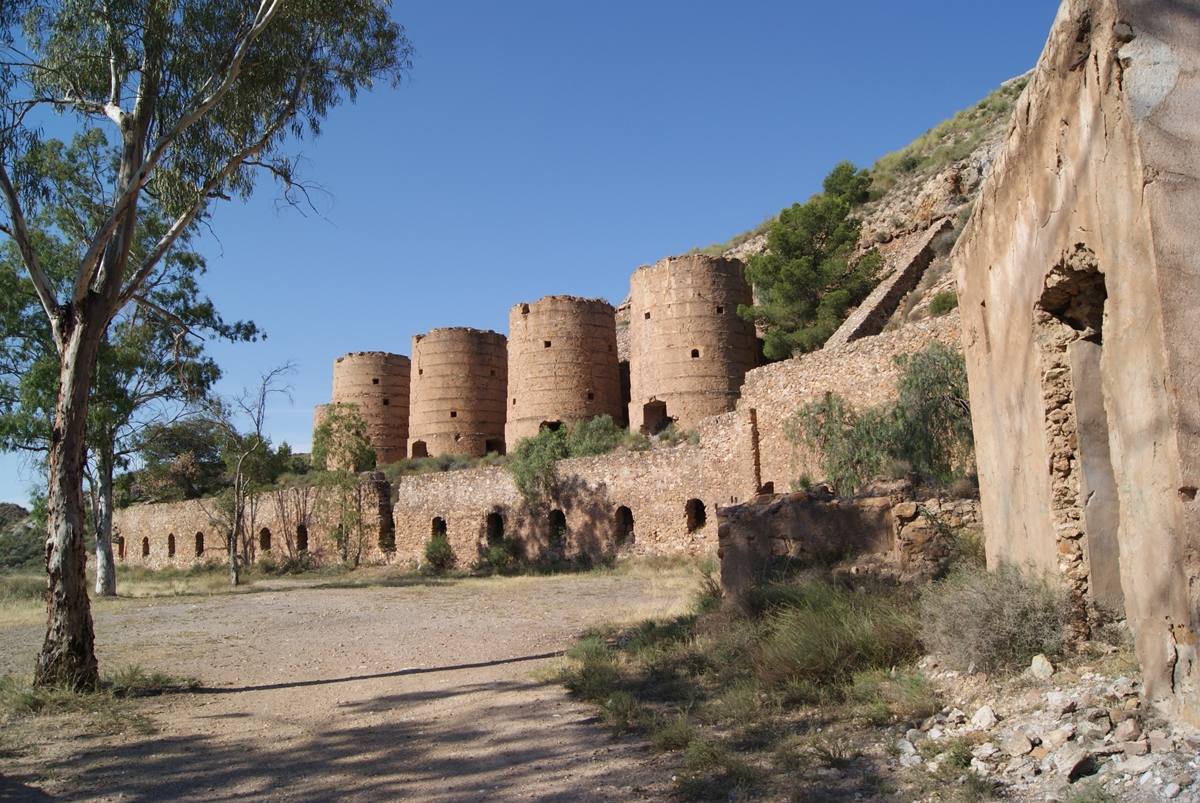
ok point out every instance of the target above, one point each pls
(236, 532)
(68, 656)
(106, 570)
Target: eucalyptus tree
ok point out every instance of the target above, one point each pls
(199, 97)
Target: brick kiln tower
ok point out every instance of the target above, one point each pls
(689, 349)
(562, 364)
(459, 383)
(376, 382)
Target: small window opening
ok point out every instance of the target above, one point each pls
(545, 344)
(624, 525)
(553, 426)
(145, 547)
(264, 539)
(514, 402)
(386, 402)
(301, 538)
(647, 316)
(695, 514)
(591, 396)
(695, 354)
(457, 437)
(170, 545)
(419, 449)
(375, 381)
(767, 488)
(720, 309)
(524, 309)
(558, 531)
(493, 373)
(199, 544)
(495, 528)
(420, 372)
(454, 413)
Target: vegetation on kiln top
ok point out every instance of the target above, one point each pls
(573, 299)
(388, 354)
(468, 329)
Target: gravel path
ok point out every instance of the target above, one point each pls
(422, 692)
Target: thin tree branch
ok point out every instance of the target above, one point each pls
(41, 283)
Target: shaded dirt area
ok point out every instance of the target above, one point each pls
(412, 691)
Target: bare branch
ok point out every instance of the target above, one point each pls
(20, 233)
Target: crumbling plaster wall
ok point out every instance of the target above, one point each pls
(1100, 157)
(864, 372)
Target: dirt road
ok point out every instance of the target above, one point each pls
(420, 692)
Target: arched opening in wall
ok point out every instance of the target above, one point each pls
(495, 528)
(1069, 332)
(695, 515)
(494, 446)
(170, 545)
(558, 531)
(199, 544)
(624, 525)
(553, 426)
(438, 526)
(264, 539)
(695, 354)
(145, 547)
(301, 538)
(767, 488)
(121, 547)
(654, 417)
(419, 449)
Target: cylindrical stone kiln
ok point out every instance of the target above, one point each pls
(376, 382)
(562, 364)
(689, 349)
(459, 382)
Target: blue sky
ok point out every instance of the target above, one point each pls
(554, 146)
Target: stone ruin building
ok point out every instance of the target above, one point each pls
(458, 392)
(1079, 304)
(1079, 286)
(562, 364)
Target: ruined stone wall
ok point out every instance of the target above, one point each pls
(661, 501)
(863, 372)
(377, 383)
(459, 382)
(688, 346)
(279, 524)
(909, 539)
(562, 364)
(1093, 185)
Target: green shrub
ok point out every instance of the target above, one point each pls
(943, 302)
(22, 546)
(341, 440)
(806, 282)
(266, 564)
(532, 463)
(672, 733)
(599, 435)
(500, 557)
(927, 428)
(439, 555)
(993, 620)
(827, 634)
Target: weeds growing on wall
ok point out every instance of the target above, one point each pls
(532, 463)
(927, 429)
(341, 441)
(943, 302)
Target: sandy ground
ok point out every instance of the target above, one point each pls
(413, 691)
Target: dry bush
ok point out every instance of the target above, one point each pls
(993, 620)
